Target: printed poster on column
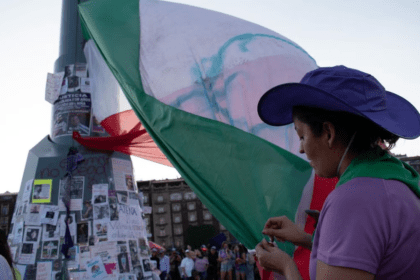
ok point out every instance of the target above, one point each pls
(80, 69)
(100, 230)
(34, 215)
(99, 193)
(32, 234)
(50, 232)
(96, 269)
(73, 261)
(13, 252)
(42, 191)
(72, 112)
(50, 249)
(17, 233)
(128, 226)
(76, 193)
(53, 86)
(27, 191)
(83, 232)
(84, 256)
(71, 221)
(43, 271)
(79, 275)
(27, 253)
(133, 198)
(106, 250)
(49, 215)
(123, 174)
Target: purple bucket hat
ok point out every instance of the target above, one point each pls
(340, 88)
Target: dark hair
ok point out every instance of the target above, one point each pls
(346, 124)
(244, 249)
(5, 251)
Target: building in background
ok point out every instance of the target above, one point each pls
(412, 161)
(178, 215)
(7, 206)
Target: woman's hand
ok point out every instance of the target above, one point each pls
(284, 229)
(272, 258)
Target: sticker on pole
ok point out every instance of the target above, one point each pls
(42, 191)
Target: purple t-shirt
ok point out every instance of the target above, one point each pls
(370, 224)
(200, 264)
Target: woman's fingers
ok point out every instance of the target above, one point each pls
(269, 231)
(280, 239)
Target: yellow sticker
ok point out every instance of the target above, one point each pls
(41, 192)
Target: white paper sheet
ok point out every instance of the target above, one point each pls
(50, 232)
(72, 225)
(43, 270)
(27, 253)
(32, 234)
(96, 269)
(129, 225)
(50, 249)
(120, 169)
(76, 193)
(49, 215)
(34, 216)
(53, 86)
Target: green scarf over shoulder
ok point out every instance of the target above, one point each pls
(379, 164)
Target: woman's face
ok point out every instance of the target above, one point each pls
(321, 157)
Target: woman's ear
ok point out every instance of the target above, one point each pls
(330, 133)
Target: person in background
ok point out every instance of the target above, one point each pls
(240, 262)
(155, 271)
(155, 257)
(7, 271)
(224, 259)
(250, 265)
(164, 265)
(201, 265)
(175, 261)
(232, 261)
(203, 250)
(212, 269)
(187, 266)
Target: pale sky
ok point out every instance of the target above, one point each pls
(378, 37)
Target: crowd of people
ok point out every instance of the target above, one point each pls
(230, 262)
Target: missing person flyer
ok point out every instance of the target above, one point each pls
(96, 269)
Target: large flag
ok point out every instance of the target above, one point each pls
(193, 78)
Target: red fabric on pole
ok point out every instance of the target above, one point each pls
(127, 135)
(322, 188)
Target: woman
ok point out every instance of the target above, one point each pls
(201, 265)
(224, 259)
(250, 265)
(175, 261)
(240, 262)
(368, 227)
